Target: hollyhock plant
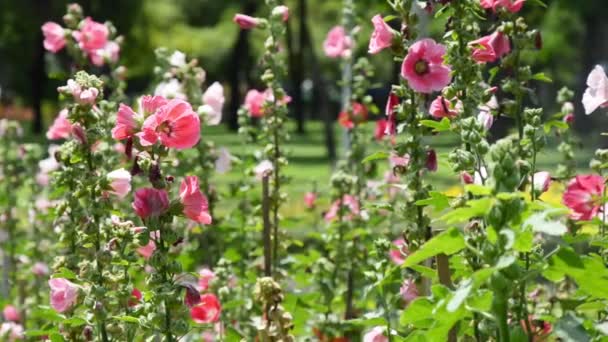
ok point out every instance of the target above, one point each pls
(584, 196)
(399, 254)
(408, 290)
(596, 94)
(490, 48)
(205, 276)
(54, 37)
(120, 182)
(246, 22)
(64, 294)
(11, 313)
(382, 37)
(196, 206)
(337, 44)
(310, 199)
(61, 127)
(423, 67)
(352, 208)
(150, 202)
(443, 108)
(375, 335)
(512, 6)
(92, 35)
(176, 125)
(213, 100)
(207, 311)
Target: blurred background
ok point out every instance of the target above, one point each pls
(574, 33)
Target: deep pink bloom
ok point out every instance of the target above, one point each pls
(54, 36)
(91, 36)
(63, 294)
(254, 102)
(147, 250)
(151, 103)
(375, 335)
(408, 291)
(176, 125)
(192, 296)
(443, 108)
(110, 53)
(208, 310)
(596, 94)
(126, 123)
(11, 313)
(382, 37)
(584, 196)
(246, 22)
(569, 118)
(512, 6)
(120, 182)
(351, 208)
(310, 199)
(381, 129)
(490, 48)
(399, 254)
(61, 127)
(391, 104)
(282, 11)
(150, 202)
(431, 160)
(135, 298)
(466, 178)
(542, 181)
(337, 44)
(205, 277)
(423, 67)
(196, 206)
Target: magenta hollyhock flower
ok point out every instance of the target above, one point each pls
(205, 277)
(375, 335)
(351, 205)
(207, 311)
(91, 36)
(423, 67)
(584, 196)
(246, 22)
(596, 94)
(399, 254)
(150, 202)
(61, 127)
(466, 178)
(512, 6)
(382, 37)
(176, 125)
(54, 36)
(443, 108)
(213, 100)
(196, 206)
(254, 103)
(120, 182)
(569, 118)
(64, 294)
(381, 129)
(11, 313)
(431, 160)
(490, 48)
(542, 181)
(408, 291)
(126, 123)
(135, 298)
(337, 44)
(310, 199)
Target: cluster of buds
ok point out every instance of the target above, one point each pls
(278, 321)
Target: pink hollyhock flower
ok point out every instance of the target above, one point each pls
(408, 291)
(351, 205)
(205, 277)
(381, 129)
(584, 196)
(126, 123)
(147, 250)
(54, 36)
(423, 67)
(88, 96)
(213, 100)
(357, 115)
(110, 52)
(542, 181)
(512, 6)
(176, 125)
(375, 335)
(150, 202)
(382, 37)
(569, 118)
(11, 313)
(466, 178)
(151, 103)
(207, 311)
(396, 160)
(596, 94)
(391, 104)
(72, 88)
(443, 108)
(120, 182)
(310, 199)
(12, 331)
(135, 298)
(281, 11)
(264, 167)
(337, 44)
(61, 127)
(486, 119)
(40, 269)
(431, 160)
(246, 22)
(79, 133)
(196, 206)
(254, 103)
(63, 294)
(92, 35)
(269, 97)
(399, 254)
(490, 48)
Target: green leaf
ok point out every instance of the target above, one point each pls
(368, 320)
(376, 156)
(418, 313)
(448, 242)
(480, 301)
(75, 321)
(478, 190)
(65, 273)
(460, 295)
(437, 200)
(570, 328)
(542, 77)
(232, 334)
(476, 208)
(56, 337)
(128, 319)
(439, 126)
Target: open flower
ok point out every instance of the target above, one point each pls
(254, 103)
(126, 123)
(120, 182)
(205, 277)
(337, 44)
(109, 53)
(171, 89)
(54, 36)
(135, 298)
(176, 125)
(382, 37)
(61, 127)
(150, 202)
(596, 94)
(196, 206)
(263, 168)
(444, 108)
(63, 294)
(207, 311)
(512, 6)
(351, 208)
(398, 255)
(423, 67)
(213, 100)
(91, 36)
(490, 48)
(584, 196)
